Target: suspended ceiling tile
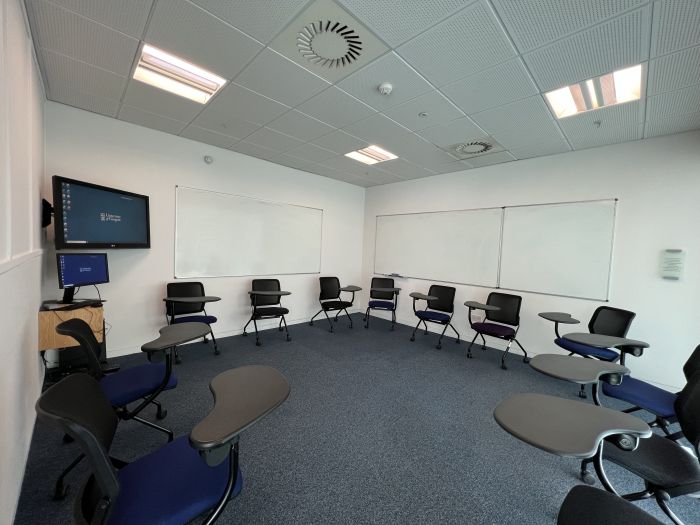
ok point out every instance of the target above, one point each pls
(539, 150)
(235, 106)
(299, 125)
(378, 176)
(312, 153)
(406, 82)
(673, 103)
(459, 130)
(96, 104)
(463, 44)
(346, 165)
(493, 87)
(278, 78)
(294, 162)
(404, 169)
(530, 113)
(67, 33)
(340, 142)
(126, 16)
(336, 108)
(253, 150)
(331, 32)
(674, 71)
(490, 160)
(80, 76)
(154, 100)
(676, 25)
(425, 111)
(376, 128)
(260, 19)
(613, 45)
(601, 120)
(395, 21)
(554, 19)
(668, 126)
(185, 30)
(423, 153)
(150, 120)
(591, 138)
(271, 139)
(208, 137)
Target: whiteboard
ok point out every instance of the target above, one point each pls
(453, 246)
(560, 249)
(220, 234)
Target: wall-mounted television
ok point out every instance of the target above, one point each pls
(91, 216)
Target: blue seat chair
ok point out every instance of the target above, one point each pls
(188, 312)
(439, 309)
(384, 301)
(502, 323)
(651, 398)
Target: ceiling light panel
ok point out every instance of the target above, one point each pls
(371, 155)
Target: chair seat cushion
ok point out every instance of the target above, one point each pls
(428, 315)
(658, 460)
(131, 384)
(206, 319)
(386, 305)
(495, 330)
(336, 305)
(577, 348)
(639, 393)
(270, 311)
(172, 485)
(587, 506)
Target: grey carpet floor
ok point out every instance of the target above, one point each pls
(376, 430)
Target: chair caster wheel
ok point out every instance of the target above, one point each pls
(469, 356)
(439, 347)
(503, 366)
(289, 339)
(217, 352)
(587, 477)
(425, 333)
(67, 439)
(350, 327)
(258, 343)
(366, 326)
(178, 361)
(311, 323)
(483, 347)
(280, 329)
(161, 414)
(457, 341)
(412, 339)
(244, 334)
(526, 359)
(60, 492)
(335, 319)
(582, 394)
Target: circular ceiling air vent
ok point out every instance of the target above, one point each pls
(473, 148)
(329, 44)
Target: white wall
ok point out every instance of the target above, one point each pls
(105, 151)
(658, 184)
(21, 171)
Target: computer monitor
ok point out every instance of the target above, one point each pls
(80, 269)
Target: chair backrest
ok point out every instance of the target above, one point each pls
(330, 288)
(80, 409)
(265, 285)
(692, 365)
(382, 282)
(82, 333)
(687, 408)
(445, 301)
(187, 289)
(509, 305)
(607, 320)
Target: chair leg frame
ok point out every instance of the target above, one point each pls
(446, 325)
(230, 484)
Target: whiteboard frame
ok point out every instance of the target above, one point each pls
(175, 276)
(615, 200)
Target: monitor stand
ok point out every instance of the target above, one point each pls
(68, 295)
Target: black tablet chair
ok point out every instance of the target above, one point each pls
(330, 300)
(605, 320)
(139, 384)
(668, 469)
(590, 506)
(439, 309)
(184, 479)
(266, 306)
(188, 312)
(501, 323)
(651, 398)
(382, 300)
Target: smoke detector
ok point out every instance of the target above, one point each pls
(385, 88)
(474, 148)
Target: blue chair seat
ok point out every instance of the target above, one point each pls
(438, 317)
(336, 305)
(643, 395)
(385, 305)
(206, 319)
(495, 330)
(172, 485)
(131, 384)
(270, 311)
(601, 353)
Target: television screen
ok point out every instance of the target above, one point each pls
(92, 216)
(81, 269)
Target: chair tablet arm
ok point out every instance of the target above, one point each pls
(351, 288)
(242, 396)
(422, 296)
(386, 290)
(269, 293)
(558, 317)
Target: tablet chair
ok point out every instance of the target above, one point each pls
(142, 384)
(379, 300)
(266, 306)
(439, 309)
(588, 506)
(330, 300)
(188, 312)
(655, 400)
(668, 469)
(502, 323)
